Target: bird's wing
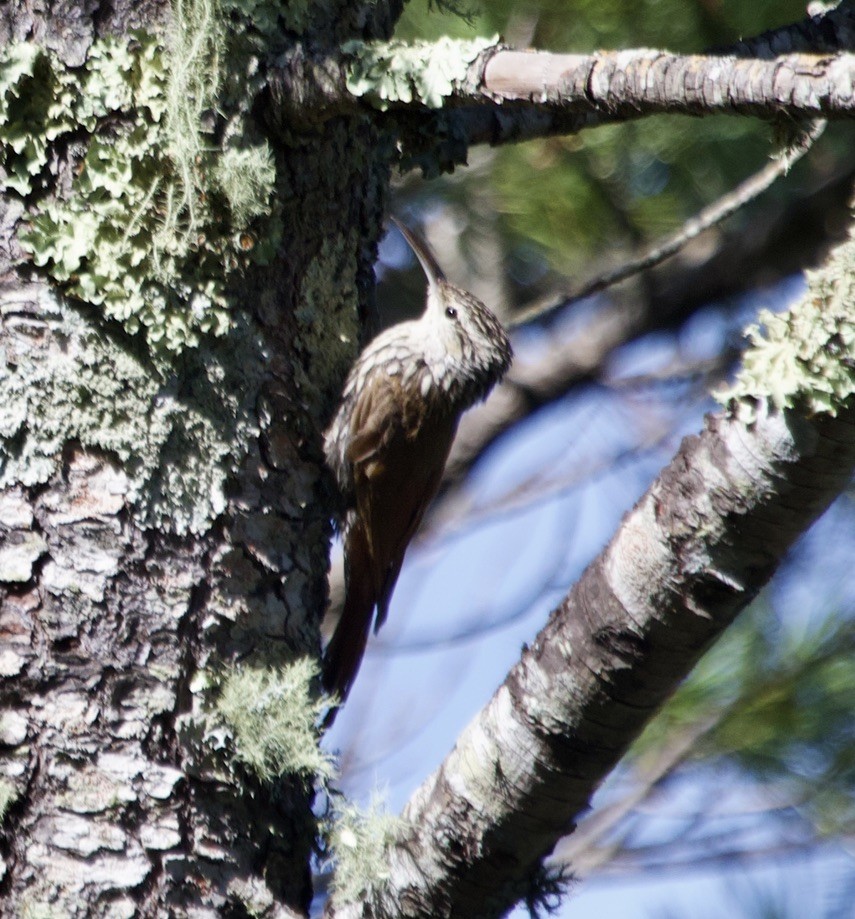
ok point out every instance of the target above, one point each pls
(398, 454)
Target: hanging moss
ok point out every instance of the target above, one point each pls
(360, 840)
(272, 715)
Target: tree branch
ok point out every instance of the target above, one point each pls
(783, 239)
(692, 554)
(802, 70)
(725, 206)
(522, 115)
(633, 83)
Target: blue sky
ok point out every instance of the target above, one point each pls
(474, 589)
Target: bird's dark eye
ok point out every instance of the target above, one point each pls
(451, 312)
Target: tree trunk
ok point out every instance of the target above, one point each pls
(166, 529)
(191, 211)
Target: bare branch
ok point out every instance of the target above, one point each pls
(714, 213)
(827, 33)
(803, 70)
(783, 239)
(632, 83)
(691, 555)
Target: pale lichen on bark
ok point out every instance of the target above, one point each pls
(428, 73)
(72, 382)
(53, 740)
(805, 355)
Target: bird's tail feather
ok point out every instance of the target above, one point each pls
(347, 646)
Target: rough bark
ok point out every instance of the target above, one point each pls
(126, 607)
(127, 794)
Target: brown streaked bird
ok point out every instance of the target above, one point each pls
(389, 441)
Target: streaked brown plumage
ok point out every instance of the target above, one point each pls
(389, 441)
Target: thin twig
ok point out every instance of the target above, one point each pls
(708, 217)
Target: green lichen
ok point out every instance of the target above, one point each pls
(360, 841)
(806, 355)
(176, 441)
(397, 71)
(272, 715)
(167, 208)
(31, 94)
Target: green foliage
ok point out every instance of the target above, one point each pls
(807, 354)
(272, 714)
(395, 71)
(779, 705)
(360, 842)
(618, 185)
(162, 215)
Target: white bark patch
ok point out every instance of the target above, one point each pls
(122, 766)
(10, 663)
(96, 489)
(15, 510)
(92, 791)
(88, 557)
(20, 551)
(13, 729)
(85, 837)
(124, 908)
(489, 746)
(162, 835)
(547, 692)
(128, 871)
(636, 560)
(159, 781)
(64, 711)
